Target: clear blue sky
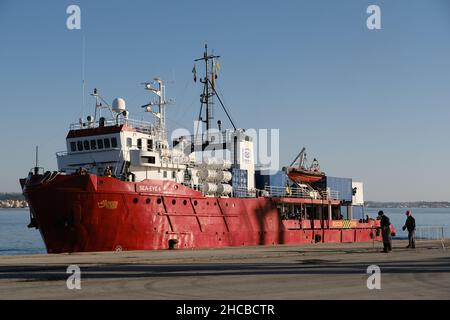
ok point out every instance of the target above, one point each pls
(372, 105)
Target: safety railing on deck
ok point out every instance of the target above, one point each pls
(295, 192)
(330, 195)
(244, 193)
(196, 187)
(139, 126)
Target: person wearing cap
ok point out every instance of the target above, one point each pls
(410, 225)
(385, 225)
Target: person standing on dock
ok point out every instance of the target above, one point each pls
(410, 224)
(385, 225)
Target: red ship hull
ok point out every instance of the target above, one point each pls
(87, 213)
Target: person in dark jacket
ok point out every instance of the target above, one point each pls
(385, 225)
(410, 225)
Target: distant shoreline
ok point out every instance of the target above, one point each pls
(406, 205)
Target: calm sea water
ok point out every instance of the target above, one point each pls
(17, 239)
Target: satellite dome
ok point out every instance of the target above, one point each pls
(119, 105)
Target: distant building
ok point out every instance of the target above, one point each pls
(8, 204)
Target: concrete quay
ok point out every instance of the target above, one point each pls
(320, 271)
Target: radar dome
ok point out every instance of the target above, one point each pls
(119, 105)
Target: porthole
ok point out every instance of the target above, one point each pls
(185, 202)
(159, 201)
(135, 200)
(147, 201)
(195, 202)
(174, 202)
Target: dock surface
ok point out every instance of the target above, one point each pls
(321, 271)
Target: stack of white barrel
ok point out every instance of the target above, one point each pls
(215, 176)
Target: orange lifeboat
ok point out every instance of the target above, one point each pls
(304, 175)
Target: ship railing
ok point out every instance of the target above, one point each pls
(296, 192)
(138, 125)
(213, 137)
(241, 192)
(196, 187)
(330, 195)
(218, 137)
(291, 192)
(90, 125)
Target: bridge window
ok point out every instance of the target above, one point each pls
(129, 142)
(93, 144)
(165, 174)
(139, 144)
(174, 175)
(100, 143)
(86, 145)
(114, 142)
(80, 145)
(107, 143)
(149, 145)
(73, 146)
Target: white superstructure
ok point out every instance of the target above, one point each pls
(129, 149)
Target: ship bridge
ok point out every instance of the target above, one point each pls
(128, 149)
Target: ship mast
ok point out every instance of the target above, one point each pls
(160, 92)
(206, 98)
